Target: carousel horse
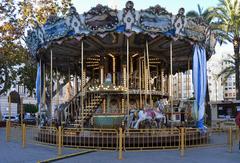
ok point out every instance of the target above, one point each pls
(150, 116)
(159, 116)
(147, 116)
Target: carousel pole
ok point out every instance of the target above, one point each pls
(145, 79)
(162, 80)
(188, 78)
(178, 75)
(114, 70)
(82, 82)
(39, 106)
(128, 76)
(44, 87)
(170, 82)
(149, 74)
(51, 86)
(57, 89)
(140, 82)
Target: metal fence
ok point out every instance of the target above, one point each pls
(143, 139)
(104, 139)
(121, 140)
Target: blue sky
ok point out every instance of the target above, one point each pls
(170, 5)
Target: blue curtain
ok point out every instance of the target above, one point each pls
(199, 73)
(38, 84)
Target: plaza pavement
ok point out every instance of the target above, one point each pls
(13, 152)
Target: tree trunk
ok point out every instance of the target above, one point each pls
(236, 45)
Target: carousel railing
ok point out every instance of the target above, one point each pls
(148, 139)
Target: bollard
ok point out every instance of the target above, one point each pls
(120, 144)
(182, 142)
(237, 134)
(230, 139)
(59, 138)
(23, 135)
(7, 131)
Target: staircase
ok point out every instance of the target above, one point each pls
(91, 103)
(78, 115)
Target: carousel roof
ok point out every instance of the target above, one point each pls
(105, 30)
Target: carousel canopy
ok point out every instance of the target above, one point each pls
(104, 30)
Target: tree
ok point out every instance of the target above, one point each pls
(229, 69)
(15, 19)
(226, 20)
(201, 14)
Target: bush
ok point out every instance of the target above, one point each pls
(30, 108)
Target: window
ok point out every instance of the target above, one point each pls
(226, 94)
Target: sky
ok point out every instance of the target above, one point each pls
(171, 5)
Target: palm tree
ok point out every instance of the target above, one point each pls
(202, 14)
(229, 69)
(226, 21)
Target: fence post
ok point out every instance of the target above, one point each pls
(59, 138)
(230, 139)
(237, 133)
(23, 135)
(8, 130)
(120, 144)
(182, 141)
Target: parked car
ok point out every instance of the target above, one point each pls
(30, 120)
(12, 118)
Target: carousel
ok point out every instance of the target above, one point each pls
(123, 63)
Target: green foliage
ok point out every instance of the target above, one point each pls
(30, 108)
(15, 18)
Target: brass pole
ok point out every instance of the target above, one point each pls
(82, 76)
(51, 85)
(44, 87)
(170, 82)
(39, 106)
(182, 141)
(124, 76)
(101, 75)
(140, 83)
(178, 84)
(120, 143)
(145, 78)
(162, 80)
(149, 74)
(114, 70)
(188, 79)
(128, 76)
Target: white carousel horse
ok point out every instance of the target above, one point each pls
(144, 115)
(151, 115)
